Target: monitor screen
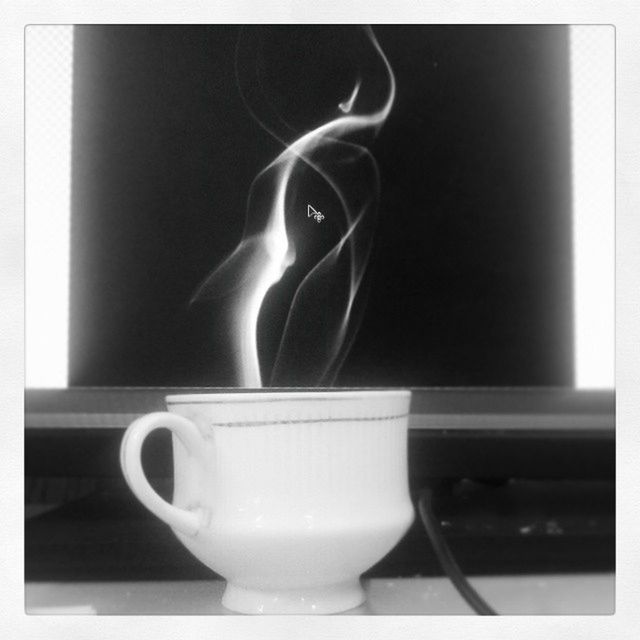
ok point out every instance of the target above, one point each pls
(319, 205)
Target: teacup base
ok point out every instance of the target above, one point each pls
(325, 599)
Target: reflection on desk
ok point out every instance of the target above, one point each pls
(576, 594)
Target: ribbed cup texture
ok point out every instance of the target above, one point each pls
(314, 458)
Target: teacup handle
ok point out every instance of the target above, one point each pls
(187, 522)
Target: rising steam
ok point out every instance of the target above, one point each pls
(323, 313)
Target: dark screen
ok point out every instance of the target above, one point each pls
(469, 281)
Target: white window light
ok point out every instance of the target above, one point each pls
(593, 148)
(48, 79)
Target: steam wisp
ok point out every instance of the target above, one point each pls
(267, 248)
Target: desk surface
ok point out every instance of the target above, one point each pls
(576, 594)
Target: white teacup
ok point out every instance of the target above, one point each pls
(290, 496)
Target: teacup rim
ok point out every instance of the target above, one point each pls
(272, 395)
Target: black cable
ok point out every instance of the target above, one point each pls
(447, 561)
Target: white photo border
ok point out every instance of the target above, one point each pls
(624, 16)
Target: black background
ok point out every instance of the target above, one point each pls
(470, 277)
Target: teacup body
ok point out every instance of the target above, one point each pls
(291, 496)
